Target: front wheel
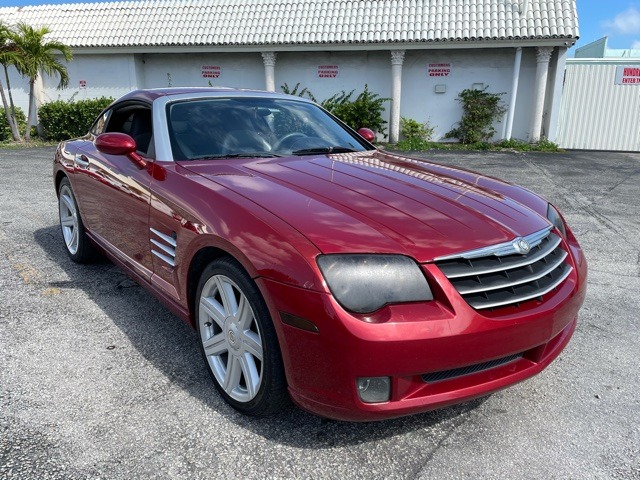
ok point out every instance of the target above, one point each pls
(238, 340)
(79, 247)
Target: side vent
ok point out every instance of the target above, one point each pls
(163, 247)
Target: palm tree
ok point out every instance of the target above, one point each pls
(8, 57)
(39, 55)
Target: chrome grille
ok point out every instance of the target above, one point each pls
(500, 277)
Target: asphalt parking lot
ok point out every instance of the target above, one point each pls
(98, 380)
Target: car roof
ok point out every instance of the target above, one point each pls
(152, 94)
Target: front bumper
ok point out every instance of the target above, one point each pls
(407, 341)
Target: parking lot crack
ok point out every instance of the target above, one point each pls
(455, 424)
(571, 196)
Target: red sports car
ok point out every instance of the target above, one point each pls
(359, 283)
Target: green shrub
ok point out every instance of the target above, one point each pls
(480, 110)
(296, 90)
(416, 135)
(365, 111)
(546, 145)
(5, 129)
(62, 120)
(481, 146)
(514, 144)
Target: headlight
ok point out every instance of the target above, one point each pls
(554, 217)
(364, 283)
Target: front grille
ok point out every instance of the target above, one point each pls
(459, 372)
(501, 277)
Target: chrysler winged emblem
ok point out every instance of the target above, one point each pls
(521, 245)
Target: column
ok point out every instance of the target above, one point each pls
(269, 60)
(514, 92)
(38, 94)
(543, 55)
(557, 80)
(397, 59)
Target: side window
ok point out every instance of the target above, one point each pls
(100, 124)
(135, 121)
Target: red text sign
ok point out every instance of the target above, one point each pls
(211, 71)
(438, 69)
(327, 71)
(627, 75)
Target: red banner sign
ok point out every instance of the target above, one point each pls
(627, 75)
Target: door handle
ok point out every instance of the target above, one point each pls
(81, 160)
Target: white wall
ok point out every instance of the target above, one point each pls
(493, 68)
(181, 70)
(114, 75)
(105, 75)
(19, 89)
(355, 69)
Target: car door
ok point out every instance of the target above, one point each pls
(115, 189)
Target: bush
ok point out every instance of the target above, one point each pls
(304, 92)
(544, 145)
(365, 111)
(62, 120)
(514, 144)
(480, 110)
(416, 135)
(5, 129)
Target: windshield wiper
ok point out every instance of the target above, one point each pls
(237, 155)
(319, 150)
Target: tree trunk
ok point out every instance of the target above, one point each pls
(27, 134)
(11, 110)
(6, 109)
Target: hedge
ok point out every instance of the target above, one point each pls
(62, 120)
(5, 129)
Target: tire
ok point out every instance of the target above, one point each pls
(78, 246)
(238, 340)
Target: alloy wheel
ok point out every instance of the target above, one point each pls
(231, 338)
(69, 219)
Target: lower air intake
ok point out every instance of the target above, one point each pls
(459, 372)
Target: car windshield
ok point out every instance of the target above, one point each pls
(233, 127)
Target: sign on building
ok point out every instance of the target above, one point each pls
(627, 75)
(438, 69)
(328, 71)
(211, 71)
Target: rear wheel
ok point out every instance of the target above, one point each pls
(79, 247)
(238, 340)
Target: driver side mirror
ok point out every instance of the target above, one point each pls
(367, 134)
(116, 143)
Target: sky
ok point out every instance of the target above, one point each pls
(617, 19)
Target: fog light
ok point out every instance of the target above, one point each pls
(374, 389)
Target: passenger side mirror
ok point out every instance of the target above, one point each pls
(116, 143)
(367, 134)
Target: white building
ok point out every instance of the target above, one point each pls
(600, 107)
(419, 53)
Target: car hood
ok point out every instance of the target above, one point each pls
(377, 202)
